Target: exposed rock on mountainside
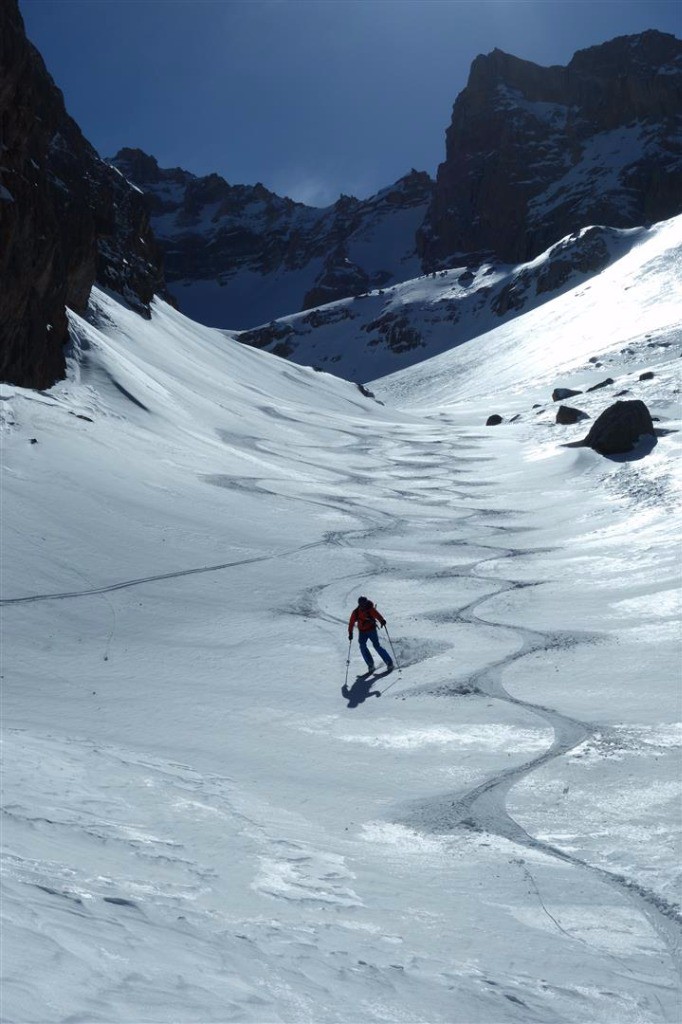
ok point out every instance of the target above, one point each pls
(567, 414)
(560, 394)
(373, 334)
(535, 153)
(619, 428)
(238, 255)
(66, 218)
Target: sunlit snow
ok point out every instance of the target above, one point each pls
(198, 826)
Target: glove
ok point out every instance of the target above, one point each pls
(350, 637)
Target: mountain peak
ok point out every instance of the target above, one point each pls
(648, 52)
(534, 153)
(140, 164)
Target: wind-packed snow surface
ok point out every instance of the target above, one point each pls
(197, 825)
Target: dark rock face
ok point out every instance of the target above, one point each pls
(261, 337)
(534, 154)
(339, 279)
(566, 414)
(493, 421)
(395, 331)
(66, 219)
(618, 428)
(559, 394)
(212, 231)
(602, 384)
(587, 253)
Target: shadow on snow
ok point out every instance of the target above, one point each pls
(362, 689)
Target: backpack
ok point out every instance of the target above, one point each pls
(366, 620)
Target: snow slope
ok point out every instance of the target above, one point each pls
(197, 825)
(390, 329)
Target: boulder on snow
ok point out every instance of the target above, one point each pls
(602, 384)
(567, 414)
(493, 420)
(619, 427)
(559, 394)
(648, 375)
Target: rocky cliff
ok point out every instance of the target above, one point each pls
(535, 153)
(67, 219)
(239, 255)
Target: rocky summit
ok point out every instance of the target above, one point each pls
(534, 153)
(240, 255)
(67, 219)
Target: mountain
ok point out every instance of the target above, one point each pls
(238, 255)
(535, 153)
(67, 219)
(534, 158)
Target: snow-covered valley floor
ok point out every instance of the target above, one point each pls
(197, 826)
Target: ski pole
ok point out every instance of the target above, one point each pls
(399, 667)
(396, 680)
(345, 682)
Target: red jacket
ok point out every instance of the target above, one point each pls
(366, 617)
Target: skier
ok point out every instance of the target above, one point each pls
(366, 616)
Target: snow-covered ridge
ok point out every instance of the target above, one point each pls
(388, 329)
(608, 326)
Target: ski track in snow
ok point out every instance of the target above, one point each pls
(483, 808)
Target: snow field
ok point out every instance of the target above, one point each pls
(198, 828)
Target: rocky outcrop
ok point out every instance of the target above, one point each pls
(67, 219)
(225, 243)
(585, 252)
(567, 414)
(395, 331)
(619, 428)
(534, 153)
(339, 279)
(606, 383)
(559, 394)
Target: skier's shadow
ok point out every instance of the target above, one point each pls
(362, 689)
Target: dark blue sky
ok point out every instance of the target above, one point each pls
(311, 97)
